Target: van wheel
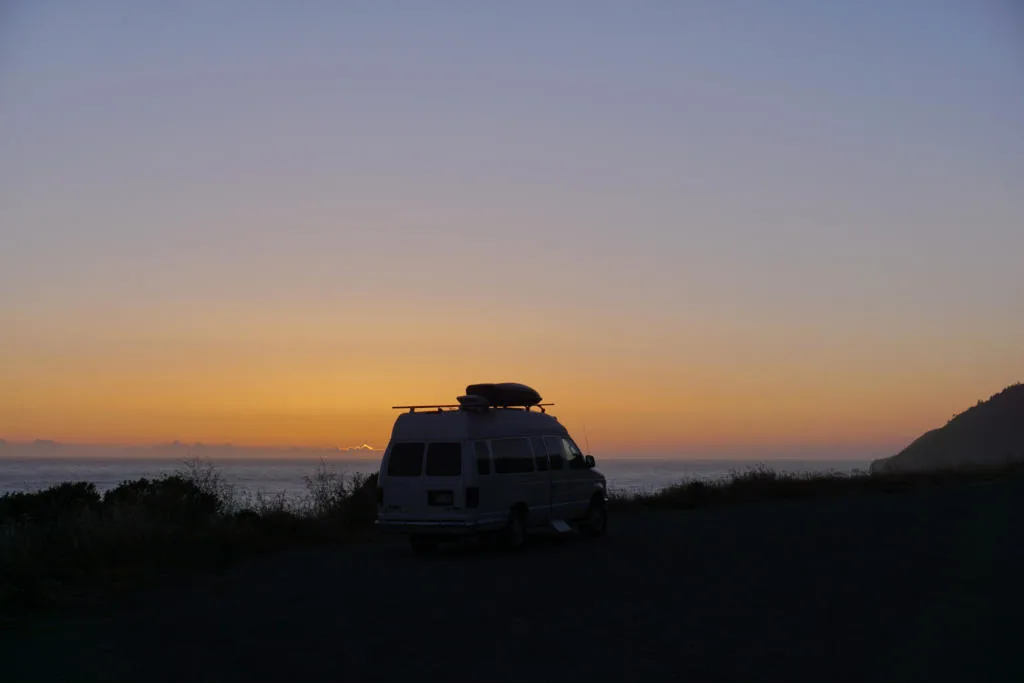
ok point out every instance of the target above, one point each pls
(595, 524)
(514, 534)
(423, 545)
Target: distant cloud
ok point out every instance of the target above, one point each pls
(361, 447)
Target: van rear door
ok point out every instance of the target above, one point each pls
(403, 474)
(442, 476)
(424, 478)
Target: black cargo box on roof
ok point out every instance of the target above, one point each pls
(505, 394)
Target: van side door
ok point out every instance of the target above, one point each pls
(519, 479)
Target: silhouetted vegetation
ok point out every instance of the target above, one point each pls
(54, 503)
(760, 484)
(51, 539)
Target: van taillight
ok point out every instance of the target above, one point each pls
(472, 497)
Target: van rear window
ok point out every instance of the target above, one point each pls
(406, 460)
(444, 459)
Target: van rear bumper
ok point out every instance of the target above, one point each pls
(447, 527)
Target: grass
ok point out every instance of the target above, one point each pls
(760, 484)
(56, 541)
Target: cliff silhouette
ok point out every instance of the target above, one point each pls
(988, 435)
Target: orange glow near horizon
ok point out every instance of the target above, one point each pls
(306, 383)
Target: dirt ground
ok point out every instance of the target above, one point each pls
(908, 587)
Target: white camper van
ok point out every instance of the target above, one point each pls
(495, 464)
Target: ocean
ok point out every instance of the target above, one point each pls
(285, 476)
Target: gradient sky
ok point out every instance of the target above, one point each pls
(694, 226)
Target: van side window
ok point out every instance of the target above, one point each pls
(406, 460)
(444, 459)
(483, 457)
(512, 456)
(555, 455)
(573, 455)
(540, 454)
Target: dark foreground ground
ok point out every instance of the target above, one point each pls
(904, 587)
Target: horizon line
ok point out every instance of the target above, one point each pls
(746, 452)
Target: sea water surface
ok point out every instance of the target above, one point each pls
(286, 476)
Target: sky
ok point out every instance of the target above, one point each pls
(696, 227)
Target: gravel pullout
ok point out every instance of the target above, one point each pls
(908, 587)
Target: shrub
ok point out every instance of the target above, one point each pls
(326, 491)
(350, 502)
(359, 509)
(193, 517)
(173, 500)
(49, 505)
(208, 479)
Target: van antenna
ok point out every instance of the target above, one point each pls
(586, 441)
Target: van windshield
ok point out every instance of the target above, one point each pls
(406, 460)
(444, 459)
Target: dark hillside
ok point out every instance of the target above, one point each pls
(990, 434)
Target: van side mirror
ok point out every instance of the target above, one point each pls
(589, 459)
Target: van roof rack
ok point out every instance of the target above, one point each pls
(442, 407)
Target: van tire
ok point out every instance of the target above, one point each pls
(423, 545)
(595, 524)
(514, 533)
